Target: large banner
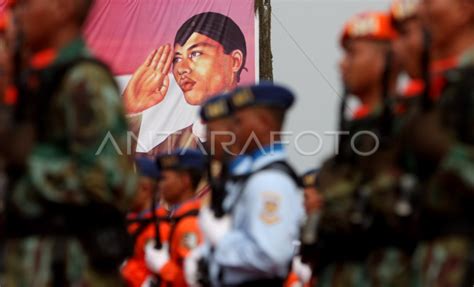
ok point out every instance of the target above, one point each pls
(171, 55)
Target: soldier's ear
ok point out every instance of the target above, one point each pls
(237, 60)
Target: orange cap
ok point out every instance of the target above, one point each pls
(401, 10)
(369, 25)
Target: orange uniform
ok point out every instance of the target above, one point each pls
(134, 272)
(184, 235)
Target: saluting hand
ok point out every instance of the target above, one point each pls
(150, 82)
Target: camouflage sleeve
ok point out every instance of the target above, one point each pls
(94, 163)
(457, 166)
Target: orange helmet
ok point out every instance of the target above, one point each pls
(369, 25)
(401, 10)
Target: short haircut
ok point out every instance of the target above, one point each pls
(219, 28)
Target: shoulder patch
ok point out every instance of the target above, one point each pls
(271, 205)
(190, 240)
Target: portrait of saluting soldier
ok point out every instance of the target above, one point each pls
(208, 56)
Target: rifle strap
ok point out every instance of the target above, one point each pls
(174, 221)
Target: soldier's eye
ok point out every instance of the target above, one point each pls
(195, 54)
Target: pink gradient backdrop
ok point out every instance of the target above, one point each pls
(124, 32)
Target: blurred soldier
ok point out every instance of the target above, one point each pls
(4, 100)
(8, 93)
(410, 44)
(142, 223)
(301, 268)
(182, 171)
(225, 158)
(441, 138)
(253, 243)
(4, 56)
(4, 106)
(344, 238)
(392, 192)
(147, 189)
(69, 180)
(412, 49)
(225, 162)
(366, 40)
(312, 198)
(8, 63)
(216, 114)
(313, 203)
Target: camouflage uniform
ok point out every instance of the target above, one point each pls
(393, 191)
(70, 165)
(391, 199)
(381, 231)
(343, 231)
(346, 225)
(445, 255)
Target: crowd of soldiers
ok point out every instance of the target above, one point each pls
(390, 208)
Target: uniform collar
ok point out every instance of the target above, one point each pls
(277, 147)
(184, 207)
(240, 165)
(268, 155)
(159, 210)
(364, 111)
(361, 112)
(443, 65)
